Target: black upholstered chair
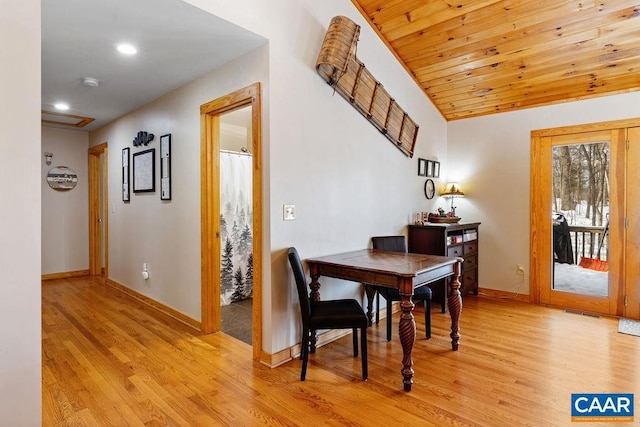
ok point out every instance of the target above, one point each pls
(329, 314)
(423, 293)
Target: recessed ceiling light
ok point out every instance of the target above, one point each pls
(61, 106)
(127, 49)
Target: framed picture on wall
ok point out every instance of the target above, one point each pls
(126, 196)
(422, 167)
(436, 169)
(429, 169)
(165, 167)
(144, 171)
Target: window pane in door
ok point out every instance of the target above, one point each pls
(580, 218)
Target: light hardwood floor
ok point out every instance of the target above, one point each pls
(110, 361)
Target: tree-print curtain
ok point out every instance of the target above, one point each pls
(236, 233)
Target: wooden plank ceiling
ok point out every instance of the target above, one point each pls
(478, 57)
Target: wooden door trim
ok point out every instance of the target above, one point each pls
(210, 208)
(94, 209)
(540, 247)
(632, 210)
(588, 127)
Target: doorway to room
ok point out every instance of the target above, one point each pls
(217, 221)
(236, 225)
(98, 211)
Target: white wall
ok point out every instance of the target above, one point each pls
(65, 214)
(20, 357)
(166, 234)
(490, 156)
(346, 179)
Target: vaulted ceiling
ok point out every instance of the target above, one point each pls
(478, 57)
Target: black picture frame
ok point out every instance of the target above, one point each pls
(165, 167)
(436, 169)
(126, 185)
(429, 173)
(422, 167)
(144, 171)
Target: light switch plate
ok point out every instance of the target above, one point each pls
(288, 212)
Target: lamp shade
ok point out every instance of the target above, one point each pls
(452, 189)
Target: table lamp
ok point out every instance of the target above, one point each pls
(452, 190)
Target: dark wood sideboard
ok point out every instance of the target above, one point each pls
(460, 240)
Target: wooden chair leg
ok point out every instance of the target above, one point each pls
(377, 307)
(389, 318)
(365, 364)
(304, 354)
(355, 342)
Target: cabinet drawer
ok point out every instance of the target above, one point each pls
(470, 276)
(470, 262)
(454, 251)
(469, 282)
(470, 247)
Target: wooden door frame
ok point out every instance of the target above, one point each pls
(95, 240)
(210, 208)
(632, 248)
(539, 227)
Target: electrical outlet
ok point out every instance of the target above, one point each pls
(520, 270)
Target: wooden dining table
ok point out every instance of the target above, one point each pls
(404, 271)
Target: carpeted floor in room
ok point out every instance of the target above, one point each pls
(236, 319)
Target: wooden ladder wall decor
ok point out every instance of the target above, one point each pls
(338, 65)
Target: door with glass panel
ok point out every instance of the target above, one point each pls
(584, 193)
